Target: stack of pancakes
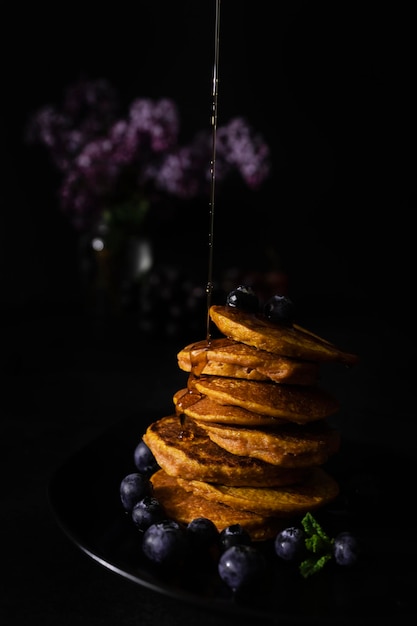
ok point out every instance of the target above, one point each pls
(248, 439)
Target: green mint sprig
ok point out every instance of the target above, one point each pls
(318, 543)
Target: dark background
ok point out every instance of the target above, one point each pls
(329, 85)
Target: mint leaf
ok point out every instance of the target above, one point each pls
(312, 527)
(317, 542)
(312, 565)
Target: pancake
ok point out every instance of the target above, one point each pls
(288, 446)
(291, 341)
(318, 489)
(225, 357)
(184, 506)
(295, 403)
(202, 408)
(183, 449)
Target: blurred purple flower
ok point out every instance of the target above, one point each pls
(87, 111)
(159, 120)
(107, 159)
(238, 147)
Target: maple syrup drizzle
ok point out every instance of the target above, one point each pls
(199, 359)
(199, 356)
(188, 398)
(215, 91)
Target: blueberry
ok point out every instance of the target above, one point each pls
(144, 459)
(243, 297)
(241, 565)
(202, 533)
(146, 512)
(233, 535)
(133, 488)
(290, 543)
(165, 543)
(345, 548)
(279, 310)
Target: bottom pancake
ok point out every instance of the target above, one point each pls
(184, 506)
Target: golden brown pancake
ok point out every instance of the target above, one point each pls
(199, 407)
(294, 403)
(184, 506)
(225, 357)
(185, 450)
(291, 341)
(291, 445)
(315, 491)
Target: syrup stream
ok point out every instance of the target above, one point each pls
(215, 89)
(199, 357)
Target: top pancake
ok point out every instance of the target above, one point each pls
(226, 357)
(290, 341)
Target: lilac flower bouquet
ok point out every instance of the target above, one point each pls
(116, 169)
(113, 167)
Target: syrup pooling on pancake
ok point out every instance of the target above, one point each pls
(198, 356)
(184, 400)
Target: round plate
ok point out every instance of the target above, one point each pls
(374, 503)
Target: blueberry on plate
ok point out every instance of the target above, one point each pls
(279, 310)
(243, 297)
(147, 511)
(202, 533)
(345, 548)
(133, 488)
(241, 565)
(289, 544)
(233, 535)
(144, 459)
(165, 543)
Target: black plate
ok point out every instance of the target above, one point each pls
(380, 589)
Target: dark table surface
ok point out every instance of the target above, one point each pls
(67, 380)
